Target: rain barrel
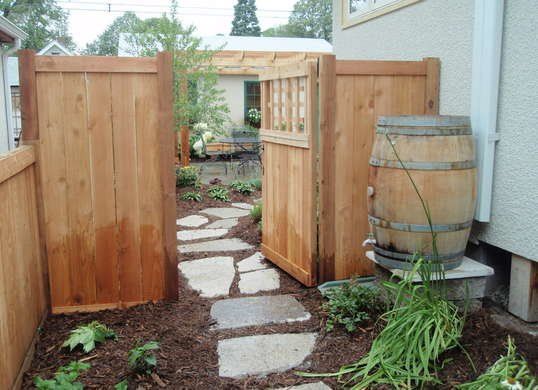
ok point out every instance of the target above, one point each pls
(439, 155)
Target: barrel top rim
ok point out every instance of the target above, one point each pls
(425, 121)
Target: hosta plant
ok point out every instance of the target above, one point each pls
(192, 196)
(242, 187)
(64, 379)
(219, 193)
(88, 335)
(142, 359)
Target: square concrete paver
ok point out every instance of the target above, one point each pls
(252, 263)
(263, 354)
(192, 221)
(198, 234)
(211, 276)
(253, 311)
(244, 206)
(227, 223)
(225, 212)
(256, 281)
(224, 245)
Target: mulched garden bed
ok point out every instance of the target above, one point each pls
(188, 357)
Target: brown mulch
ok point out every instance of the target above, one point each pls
(188, 358)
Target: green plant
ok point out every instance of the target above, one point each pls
(64, 378)
(242, 187)
(509, 372)
(256, 212)
(187, 176)
(350, 304)
(254, 117)
(218, 193)
(256, 183)
(123, 385)
(192, 195)
(88, 335)
(142, 359)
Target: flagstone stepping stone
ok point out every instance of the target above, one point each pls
(212, 276)
(308, 386)
(226, 212)
(244, 206)
(223, 223)
(252, 263)
(192, 221)
(256, 281)
(263, 354)
(240, 312)
(188, 235)
(223, 245)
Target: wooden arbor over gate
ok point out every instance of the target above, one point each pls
(318, 120)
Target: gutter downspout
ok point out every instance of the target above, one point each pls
(487, 51)
(7, 92)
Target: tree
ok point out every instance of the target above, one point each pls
(282, 30)
(312, 19)
(107, 43)
(245, 21)
(42, 20)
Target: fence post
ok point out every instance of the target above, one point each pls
(166, 143)
(326, 231)
(432, 86)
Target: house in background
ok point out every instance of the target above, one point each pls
(10, 37)
(489, 62)
(54, 48)
(240, 59)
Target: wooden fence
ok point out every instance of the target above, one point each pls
(352, 94)
(23, 291)
(103, 129)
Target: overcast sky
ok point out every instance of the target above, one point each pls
(89, 18)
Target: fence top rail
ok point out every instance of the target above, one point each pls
(381, 68)
(97, 64)
(17, 160)
(299, 69)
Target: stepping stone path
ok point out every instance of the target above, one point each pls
(212, 277)
(308, 386)
(263, 354)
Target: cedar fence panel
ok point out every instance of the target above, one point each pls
(104, 132)
(23, 282)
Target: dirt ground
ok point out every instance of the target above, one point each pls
(188, 358)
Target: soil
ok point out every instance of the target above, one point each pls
(188, 358)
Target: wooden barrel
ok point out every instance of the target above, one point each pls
(438, 153)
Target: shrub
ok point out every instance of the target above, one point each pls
(142, 359)
(64, 378)
(218, 193)
(187, 176)
(88, 335)
(242, 187)
(256, 183)
(192, 195)
(350, 305)
(256, 213)
(123, 385)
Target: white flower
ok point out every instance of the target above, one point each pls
(198, 147)
(207, 136)
(511, 384)
(201, 126)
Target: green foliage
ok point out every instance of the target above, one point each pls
(350, 304)
(142, 359)
(219, 193)
(245, 22)
(256, 183)
(88, 335)
(511, 371)
(187, 176)
(254, 117)
(192, 195)
(242, 187)
(282, 30)
(123, 385)
(107, 42)
(256, 212)
(43, 21)
(64, 379)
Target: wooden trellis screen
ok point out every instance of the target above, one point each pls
(104, 135)
(318, 122)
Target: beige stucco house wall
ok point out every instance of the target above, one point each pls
(233, 87)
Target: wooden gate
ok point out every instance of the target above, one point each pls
(103, 128)
(343, 100)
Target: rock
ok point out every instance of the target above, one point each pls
(263, 354)
(252, 263)
(308, 386)
(188, 235)
(224, 245)
(224, 223)
(256, 281)
(211, 276)
(192, 221)
(226, 212)
(254, 311)
(244, 206)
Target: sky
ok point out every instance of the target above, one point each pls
(89, 18)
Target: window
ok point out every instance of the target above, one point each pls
(358, 11)
(252, 96)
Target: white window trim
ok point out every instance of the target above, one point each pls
(351, 19)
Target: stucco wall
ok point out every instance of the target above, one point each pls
(234, 93)
(438, 28)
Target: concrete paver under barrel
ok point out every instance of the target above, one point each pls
(263, 354)
(253, 311)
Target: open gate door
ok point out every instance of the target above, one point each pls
(289, 134)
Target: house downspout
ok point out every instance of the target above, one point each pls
(7, 92)
(487, 50)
